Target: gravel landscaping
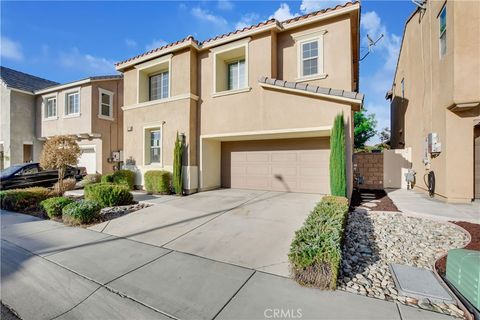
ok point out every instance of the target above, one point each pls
(373, 240)
(110, 213)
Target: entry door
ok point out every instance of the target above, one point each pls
(88, 159)
(27, 153)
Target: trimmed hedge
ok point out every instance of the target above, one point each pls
(53, 206)
(122, 177)
(158, 181)
(316, 251)
(81, 212)
(23, 200)
(108, 194)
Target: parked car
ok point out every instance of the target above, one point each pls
(32, 175)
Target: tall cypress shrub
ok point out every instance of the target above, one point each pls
(177, 166)
(338, 175)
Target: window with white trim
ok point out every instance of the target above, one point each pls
(443, 31)
(153, 145)
(310, 58)
(236, 75)
(72, 105)
(50, 108)
(105, 104)
(159, 86)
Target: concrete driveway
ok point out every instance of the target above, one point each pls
(246, 228)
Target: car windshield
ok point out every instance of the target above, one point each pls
(10, 170)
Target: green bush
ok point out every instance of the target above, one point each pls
(108, 194)
(177, 167)
(53, 206)
(125, 177)
(81, 212)
(107, 178)
(158, 181)
(122, 177)
(316, 253)
(338, 174)
(23, 200)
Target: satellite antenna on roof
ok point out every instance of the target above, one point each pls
(371, 43)
(420, 3)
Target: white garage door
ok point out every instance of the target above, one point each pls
(88, 159)
(293, 165)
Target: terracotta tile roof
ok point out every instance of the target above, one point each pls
(252, 27)
(255, 26)
(312, 88)
(320, 12)
(159, 48)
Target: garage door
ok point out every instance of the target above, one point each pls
(88, 159)
(293, 165)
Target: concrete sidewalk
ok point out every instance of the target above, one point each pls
(420, 204)
(52, 271)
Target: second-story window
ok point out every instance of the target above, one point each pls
(159, 86)
(443, 31)
(72, 106)
(50, 108)
(309, 58)
(236, 75)
(105, 104)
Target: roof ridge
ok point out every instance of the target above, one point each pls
(27, 74)
(247, 28)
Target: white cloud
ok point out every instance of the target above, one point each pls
(247, 20)
(88, 63)
(308, 6)
(377, 79)
(130, 43)
(10, 49)
(206, 16)
(283, 13)
(156, 43)
(225, 5)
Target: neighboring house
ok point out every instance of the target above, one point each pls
(89, 109)
(18, 143)
(436, 90)
(256, 106)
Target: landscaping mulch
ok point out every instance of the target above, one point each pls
(474, 230)
(375, 200)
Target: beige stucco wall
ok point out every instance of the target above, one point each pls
(432, 85)
(108, 133)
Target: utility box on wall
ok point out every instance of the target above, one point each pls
(434, 145)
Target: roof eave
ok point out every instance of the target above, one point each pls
(73, 84)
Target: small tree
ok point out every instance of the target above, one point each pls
(364, 128)
(58, 153)
(338, 175)
(177, 166)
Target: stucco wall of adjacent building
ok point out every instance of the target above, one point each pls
(5, 124)
(434, 84)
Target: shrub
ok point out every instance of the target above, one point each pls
(338, 175)
(23, 200)
(108, 195)
(92, 178)
(53, 206)
(315, 253)
(68, 184)
(107, 178)
(157, 181)
(81, 212)
(177, 167)
(125, 177)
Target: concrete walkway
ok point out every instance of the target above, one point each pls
(49, 271)
(420, 204)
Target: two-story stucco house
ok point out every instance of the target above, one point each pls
(256, 106)
(89, 109)
(436, 95)
(18, 143)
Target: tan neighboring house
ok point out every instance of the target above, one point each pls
(256, 106)
(435, 98)
(89, 109)
(18, 142)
